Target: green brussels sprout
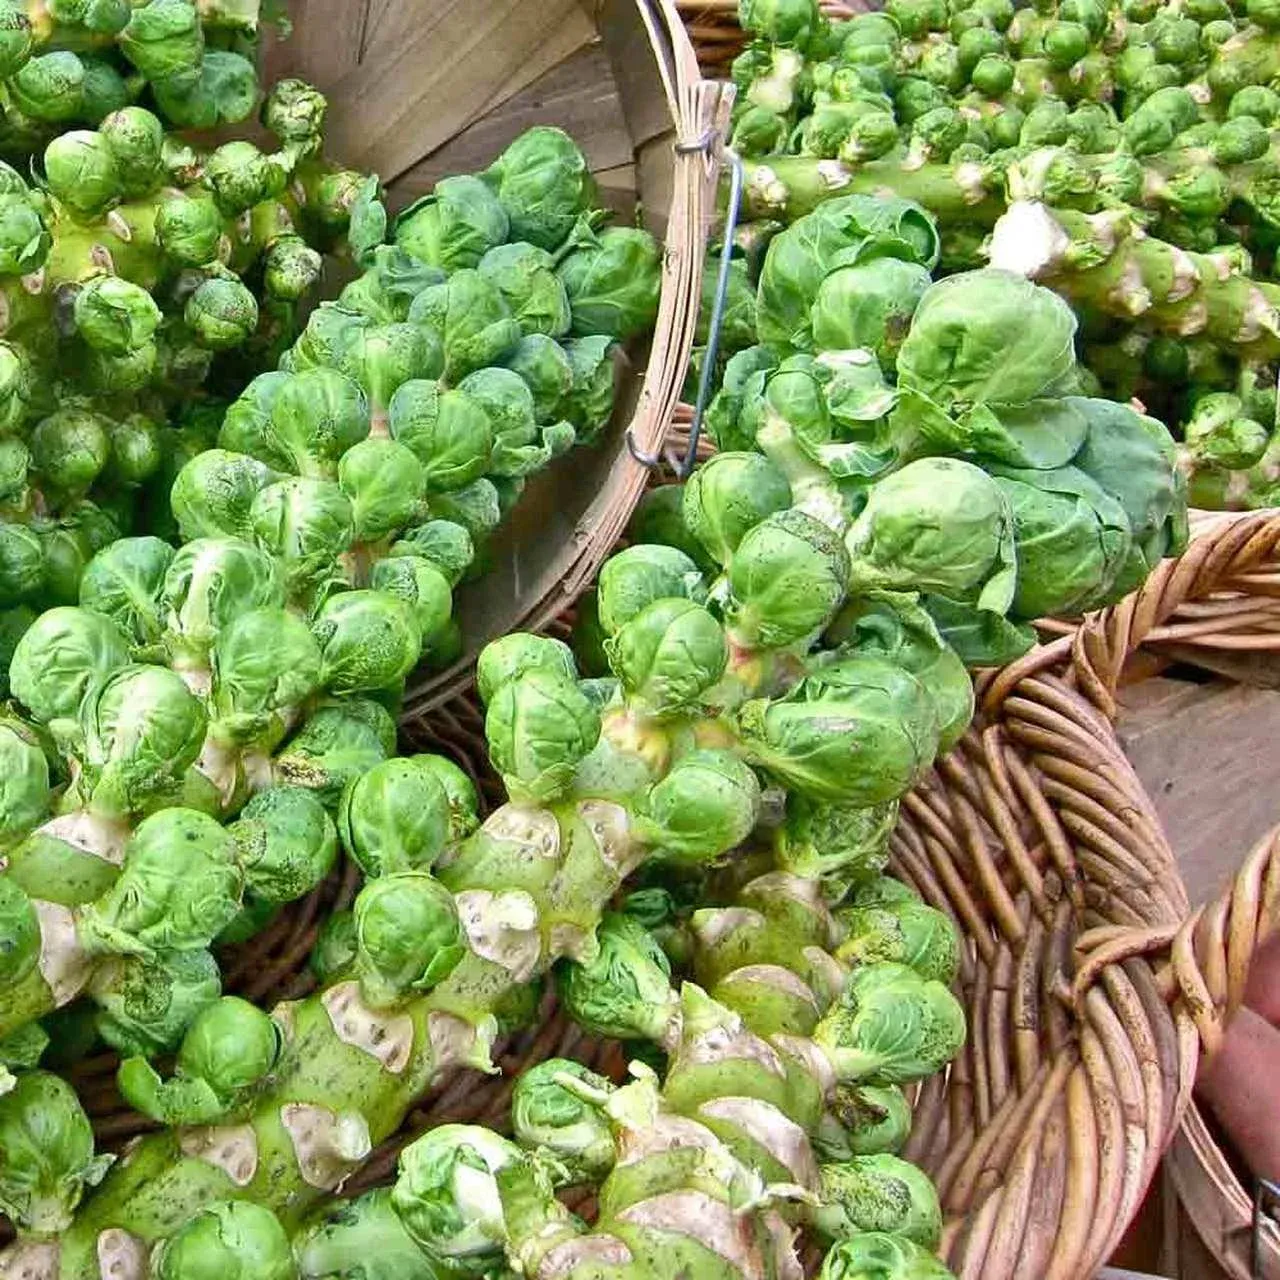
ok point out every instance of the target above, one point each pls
(145, 1005)
(22, 564)
(526, 277)
(987, 336)
(294, 111)
(337, 743)
(15, 387)
(164, 38)
(460, 792)
(65, 552)
(588, 405)
(508, 404)
(135, 137)
(221, 314)
(1159, 119)
(707, 805)
(382, 358)
(179, 887)
(136, 451)
(394, 818)
(330, 331)
(315, 418)
(472, 319)
(863, 1120)
(224, 91)
(386, 290)
(246, 424)
(455, 225)
(613, 282)
(448, 433)
(24, 238)
(939, 525)
(264, 664)
(878, 1193)
(334, 952)
(143, 728)
(758, 131)
(906, 932)
(21, 950)
(787, 577)
(291, 268)
(230, 1047)
(1240, 140)
(287, 844)
(189, 229)
(103, 91)
(545, 368)
(60, 657)
(49, 87)
(837, 845)
(659, 520)
(786, 22)
(368, 641)
(870, 305)
(15, 466)
(239, 176)
(214, 494)
(15, 38)
(477, 508)
(937, 133)
(992, 76)
(109, 375)
(70, 448)
(115, 316)
(539, 726)
(547, 1115)
(633, 579)
(1219, 435)
(669, 655)
(229, 1239)
(420, 585)
(25, 797)
(512, 657)
(408, 936)
(858, 733)
(385, 483)
(1258, 101)
(891, 1026)
(916, 18)
(624, 991)
(306, 525)
(544, 185)
(211, 581)
(46, 1154)
(447, 1196)
(442, 543)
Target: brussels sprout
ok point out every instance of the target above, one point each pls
(334, 952)
(61, 656)
(385, 483)
(938, 525)
(837, 845)
(225, 91)
(448, 433)
(179, 887)
(211, 581)
(65, 552)
(240, 176)
(135, 371)
(264, 663)
(306, 525)
(544, 185)
(315, 418)
(15, 39)
(588, 404)
(15, 465)
(890, 1026)
(421, 586)
(386, 290)
(246, 424)
(136, 451)
(454, 226)
(547, 1115)
(870, 305)
(213, 495)
(368, 641)
(863, 1120)
(294, 111)
(670, 654)
(633, 579)
(287, 844)
(707, 805)
(526, 277)
(291, 268)
(408, 936)
(24, 238)
(70, 448)
(906, 932)
(49, 87)
(135, 136)
(394, 818)
(189, 229)
(221, 313)
(477, 508)
(164, 38)
(472, 319)
(442, 543)
(447, 1195)
(382, 358)
(144, 1006)
(22, 564)
(103, 90)
(230, 1239)
(337, 743)
(613, 282)
(660, 520)
(143, 728)
(1256, 100)
(539, 726)
(856, 733)
(15, 387)
(46, 1154)
(878, 1193)
(229, 1047)
(878, 1256)
(21, 950)
(1218, 434)
(728, 496)
(25, 799)
(330, 332)
(514, 656)
(545, 368)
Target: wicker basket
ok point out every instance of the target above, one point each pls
(717, 37)
(419, 89)
(1211, 962)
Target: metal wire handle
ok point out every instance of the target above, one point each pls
(684, 466)
(1265, 1196)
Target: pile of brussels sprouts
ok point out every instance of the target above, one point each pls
(1123, 154)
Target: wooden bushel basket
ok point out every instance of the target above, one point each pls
(420, 89)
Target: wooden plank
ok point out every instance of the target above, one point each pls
(457, 61)
(1206, 753)
(578, 96)
(324, 45)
